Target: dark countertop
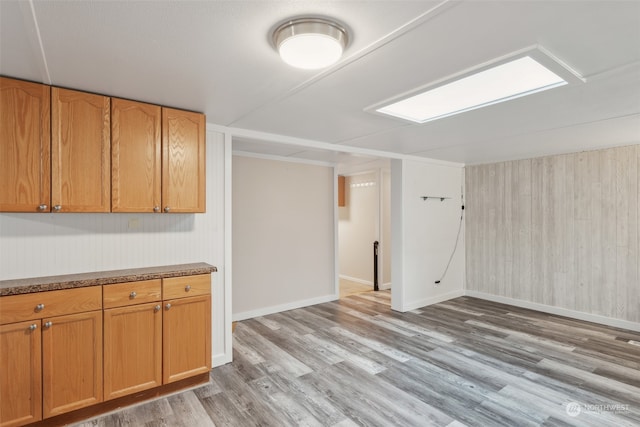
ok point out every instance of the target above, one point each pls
(70, 281)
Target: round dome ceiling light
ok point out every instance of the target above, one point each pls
(310, 43)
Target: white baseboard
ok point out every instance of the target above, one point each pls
(357, 280)
(433, 300)
(580, 315)
(383, 287)
(221, 359)
(282, 307)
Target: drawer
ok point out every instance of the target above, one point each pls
(186, 286)
(17, 308)
(131, 293)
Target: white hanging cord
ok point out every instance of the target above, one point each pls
(437, 282)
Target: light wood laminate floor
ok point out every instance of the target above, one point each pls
(462, 362)
(349, 287)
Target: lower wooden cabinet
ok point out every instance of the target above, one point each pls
(20, 374)
(132, 349)
(69, 349)
(50, 353)
(72, 362)
(186, 326)
(186, 337)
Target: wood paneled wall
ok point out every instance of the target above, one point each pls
(560, 230)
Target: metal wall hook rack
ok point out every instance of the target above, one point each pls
(442, 199)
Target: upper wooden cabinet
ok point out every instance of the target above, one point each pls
(183, 161)
(136, 162)
(80, 152)
(158, 159)
(342, 200)
(24, 146)
(63, 150)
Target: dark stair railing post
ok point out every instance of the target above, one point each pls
(375, 266)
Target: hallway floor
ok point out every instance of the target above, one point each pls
(348, 287)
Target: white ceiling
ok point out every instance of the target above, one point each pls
(216, 57)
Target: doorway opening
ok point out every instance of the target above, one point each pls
(363, 220)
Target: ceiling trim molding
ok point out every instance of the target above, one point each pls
(505, 140)
(325, 146)
(281, 158)
(373, 166)
(611, 72)
(28, 8)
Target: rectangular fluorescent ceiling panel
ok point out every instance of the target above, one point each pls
(509, 80)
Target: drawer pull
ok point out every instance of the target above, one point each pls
(48, 325)
(187, 288)
(133, 294)
(167, 209)
(157, 307)
(168, 306)
(43, 207)
(39, 307)
(33, 327)
(156, 208)
(57, 208)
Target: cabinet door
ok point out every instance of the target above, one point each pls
(25, 144)
(186, 338)
(183, 161)
(80, 152)
(20, 374)
(132, 349)
(135, 156)
(71, 362)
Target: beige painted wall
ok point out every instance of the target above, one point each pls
(283, 235)
(561, 231)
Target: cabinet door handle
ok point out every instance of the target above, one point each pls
(33, 327)
(156, 208)
(168, 306)
(187, 288)
(42, 207)
(157, 307)
(133, 294)
(57, 208)
(167, 209)
(48, 324)
(39, 307)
